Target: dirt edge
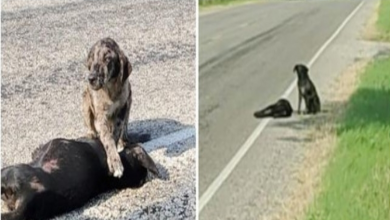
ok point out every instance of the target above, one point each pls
(370, 32)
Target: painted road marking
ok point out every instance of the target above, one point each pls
(169, 139)
(216, 184)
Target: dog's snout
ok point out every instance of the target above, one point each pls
(92, 77)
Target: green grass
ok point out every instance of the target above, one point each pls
(356, 184)
(383, 23)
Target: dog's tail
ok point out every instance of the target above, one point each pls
(136, 153)
(145, 160)
(136, 162)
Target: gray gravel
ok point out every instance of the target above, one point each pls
(44, 45)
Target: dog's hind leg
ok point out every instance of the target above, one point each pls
(124, 117)
(123, 137)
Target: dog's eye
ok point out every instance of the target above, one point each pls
(6, 192)
(9, 192)
(3, 193)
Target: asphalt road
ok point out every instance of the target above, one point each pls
(247, 54)
(44, 46)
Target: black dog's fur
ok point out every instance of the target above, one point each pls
(280, 109)
(307, 91)
(64, 175)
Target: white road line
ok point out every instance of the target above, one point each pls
(169, 139)
(324, 46)
(213, 188)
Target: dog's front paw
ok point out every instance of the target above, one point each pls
(115, 166)
(121, 146)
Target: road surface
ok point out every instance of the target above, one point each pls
(247, 54)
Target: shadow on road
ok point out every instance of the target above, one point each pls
(366, 107)
(156, 128)
(326, 118)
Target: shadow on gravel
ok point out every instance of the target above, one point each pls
(156, 210)
(295, 139)
(297, 122)
(367, 107)
(156, 128)
(142, 131)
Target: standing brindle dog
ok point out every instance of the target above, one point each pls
(107, 99)
(307, 91)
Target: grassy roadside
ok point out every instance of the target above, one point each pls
(356, 184)
(383, 22)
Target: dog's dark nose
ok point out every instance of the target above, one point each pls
(92, 77)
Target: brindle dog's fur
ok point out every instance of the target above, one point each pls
(64, 175)
(107, 99)
(307, 91)
(280, 109)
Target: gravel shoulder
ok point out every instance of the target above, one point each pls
(44, 46)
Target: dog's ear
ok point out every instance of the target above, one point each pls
(6, 193)
(145, 160)
(295, 68)
(3, 195)
(90, 56)
(305, 69)
(126, 67)
(37, 152)
(300, 67)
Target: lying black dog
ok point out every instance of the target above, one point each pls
(280, 109)
(65, 175)
(307, 91)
